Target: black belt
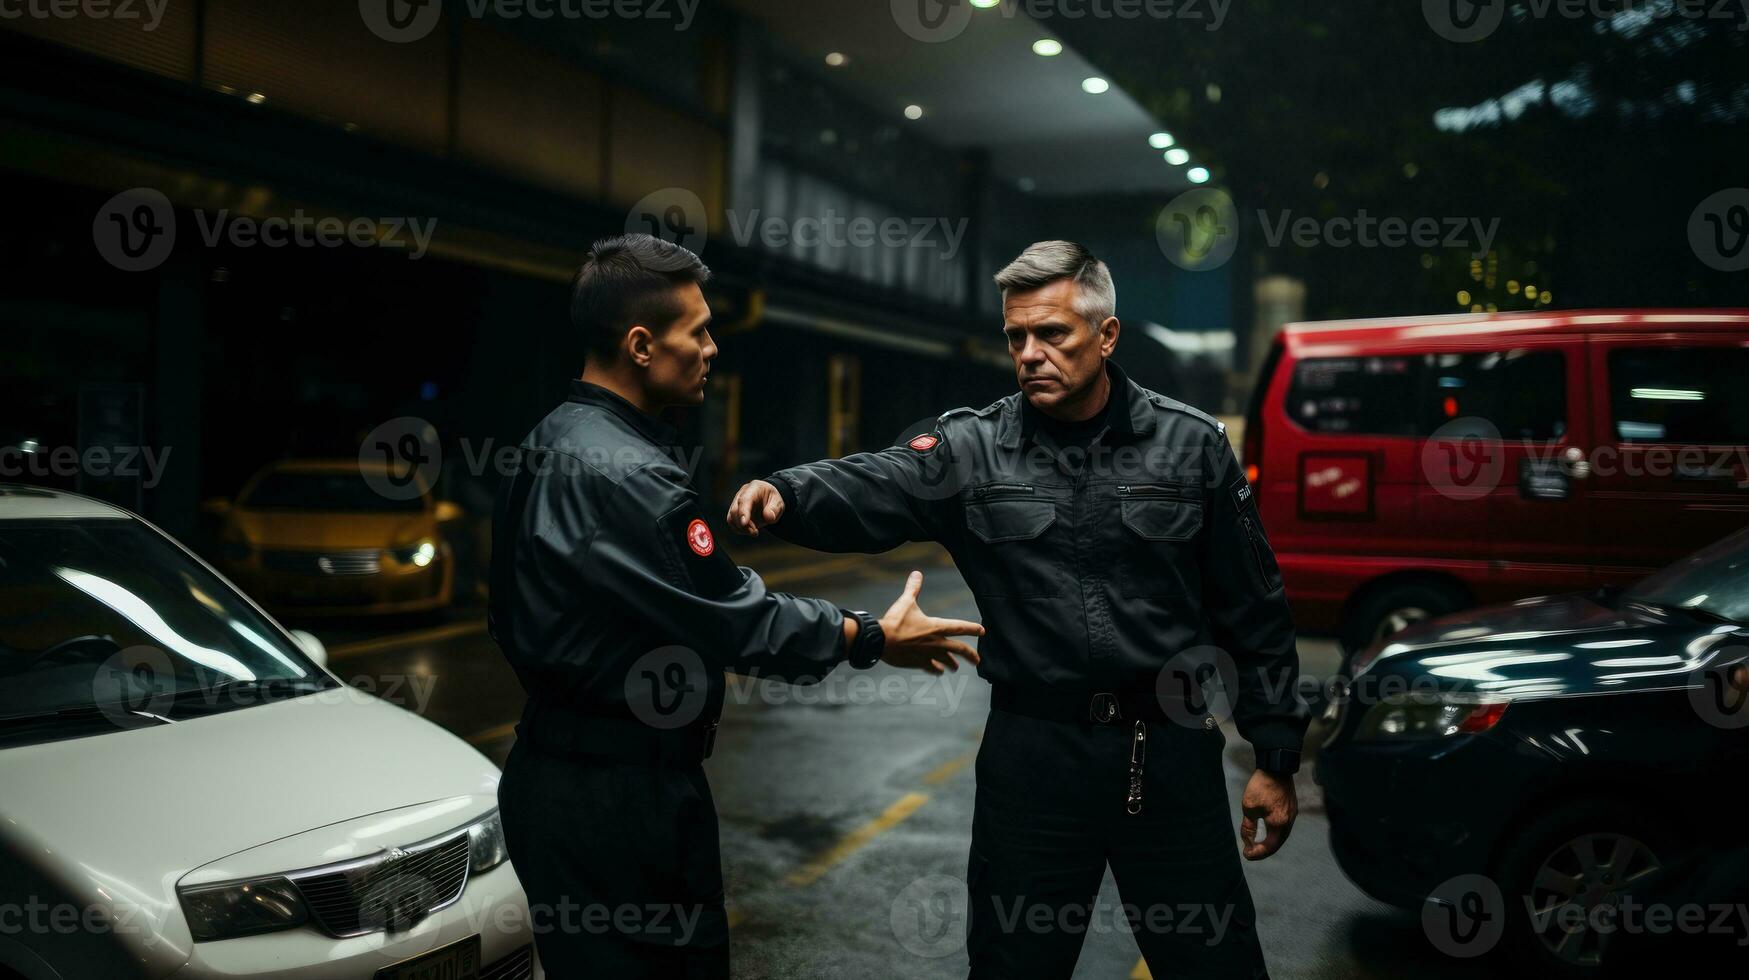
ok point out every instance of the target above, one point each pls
(1095, 707)
(612, 734)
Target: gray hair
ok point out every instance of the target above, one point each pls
(1046, 262)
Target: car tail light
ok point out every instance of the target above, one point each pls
(1482, 717)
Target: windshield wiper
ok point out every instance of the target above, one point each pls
(79, 712)
(231, 693)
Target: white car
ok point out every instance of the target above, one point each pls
(186, 791)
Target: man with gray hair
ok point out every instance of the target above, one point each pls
(1114, 549)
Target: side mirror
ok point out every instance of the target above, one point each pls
(447, 511)
(311, 646)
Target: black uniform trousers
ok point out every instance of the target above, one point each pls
(1051, 815)
(621, 865)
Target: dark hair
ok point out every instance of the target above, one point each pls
(625, 281)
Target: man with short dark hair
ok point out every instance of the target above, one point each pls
(1115, 552)
(619, 612)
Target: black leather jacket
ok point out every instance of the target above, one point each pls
(600, 558)
(1092, 577)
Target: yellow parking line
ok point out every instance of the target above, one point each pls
(1141, 971)
(493, 734)
(941, 773)
(447, 632)
(811, 872)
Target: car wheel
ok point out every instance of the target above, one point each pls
(1567, 885)
(1394, 608)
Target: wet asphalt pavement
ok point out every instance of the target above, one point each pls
(846, 808)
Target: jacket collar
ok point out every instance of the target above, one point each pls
(648, 426)
(1132, 417)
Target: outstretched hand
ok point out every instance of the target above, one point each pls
(755, 505)
(919, 641)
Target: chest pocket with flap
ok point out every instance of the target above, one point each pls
(1160, 524)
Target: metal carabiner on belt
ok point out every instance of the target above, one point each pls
(1138, 755)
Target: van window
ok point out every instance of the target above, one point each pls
(1689, 395)
(1523, 394)
(1355, 395)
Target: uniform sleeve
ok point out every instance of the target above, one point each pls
(653, 551)
(866, 502)
(1247, 609)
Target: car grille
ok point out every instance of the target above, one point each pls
(318, 563)
(388, 892)
(517, 966)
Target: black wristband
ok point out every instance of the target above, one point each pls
(871, 640)
(1279, 762)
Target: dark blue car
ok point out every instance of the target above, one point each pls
(1556, 775)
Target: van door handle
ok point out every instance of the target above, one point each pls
(1574, 463)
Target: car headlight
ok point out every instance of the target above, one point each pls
(421, 554)
(486, 848)
(243, 908)
(1422, 717)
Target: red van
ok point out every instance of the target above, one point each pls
(1411, 467)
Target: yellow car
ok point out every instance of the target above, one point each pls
(323, 537)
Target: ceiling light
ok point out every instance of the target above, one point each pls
(836, 59)
(1160, 141)
(1047, 47)
(1094, 85)
(1178, 156)
(1197, 175)
(913, 112)
(985, 4)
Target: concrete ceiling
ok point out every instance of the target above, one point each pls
(980, 85)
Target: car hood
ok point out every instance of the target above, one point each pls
(1549, 646)
(315, 531)
(115, 820)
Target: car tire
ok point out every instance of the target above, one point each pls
(1629, 852)
(1385, 610)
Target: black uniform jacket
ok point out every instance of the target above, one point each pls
(1092, 574)
(601, 556)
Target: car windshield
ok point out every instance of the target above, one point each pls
(339, 491)
(108, 621)
(1713, 581)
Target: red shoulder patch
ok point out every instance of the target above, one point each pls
(923, 443)
(698, 538)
